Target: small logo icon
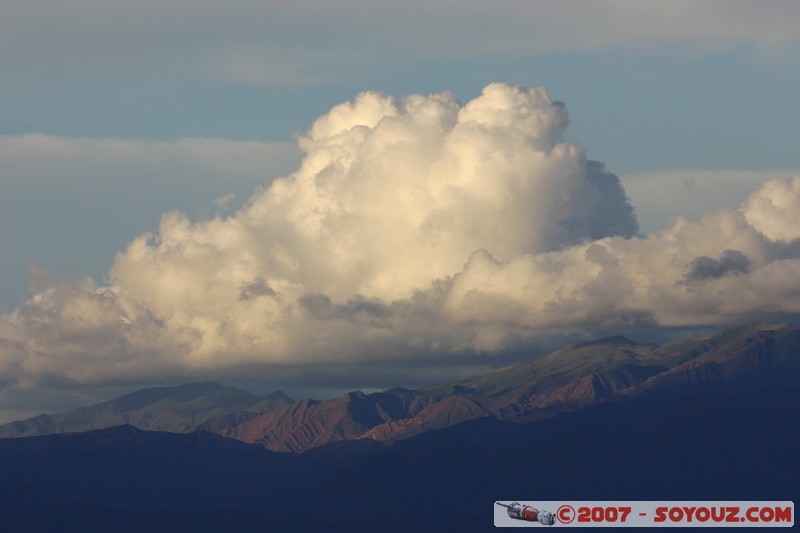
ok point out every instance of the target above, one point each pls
(565, 514)
(528, 513)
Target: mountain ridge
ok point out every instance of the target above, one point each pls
(612, 369)
(177, 409)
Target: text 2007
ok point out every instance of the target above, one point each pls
(603, 514)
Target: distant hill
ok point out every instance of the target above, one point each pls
(606, 370)
(177, 409)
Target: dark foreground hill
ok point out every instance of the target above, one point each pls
(723, 446)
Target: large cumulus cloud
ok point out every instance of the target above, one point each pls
(415, 228)
(392, 196)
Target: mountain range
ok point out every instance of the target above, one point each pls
(606, 370)
(709, 418)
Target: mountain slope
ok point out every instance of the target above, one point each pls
(749, 357)
(177, 409)
(605, 370)
(554, 369)
(310, 423)
(503, 393)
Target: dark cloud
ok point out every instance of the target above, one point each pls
(321, 307)
(731, 262)
(254, 289)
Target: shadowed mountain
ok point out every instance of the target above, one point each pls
(730, 446)
(126, 479)
(222, 422)
(555, 369)
(749, 357)
(724, 447)
(178, 409)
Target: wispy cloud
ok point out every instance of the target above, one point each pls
(280, 43)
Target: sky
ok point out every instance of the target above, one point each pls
(324, 196)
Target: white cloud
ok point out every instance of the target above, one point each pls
(418, 230)
(774, 210)
(653, 280)
(391, 197)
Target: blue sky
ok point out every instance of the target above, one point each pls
(114, 113)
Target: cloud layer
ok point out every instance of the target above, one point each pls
(279, 43)
(415, 229)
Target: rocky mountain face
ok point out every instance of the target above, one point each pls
(603, 371)
(607, 370)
